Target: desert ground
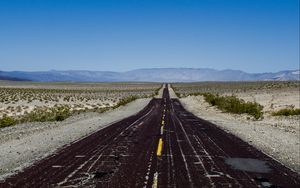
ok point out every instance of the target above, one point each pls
(24, 143)
(27, 142)
(19, 98)
(277, 136)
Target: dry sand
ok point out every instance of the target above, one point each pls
(274, 100)
(19, 98)
(278, 137)
(172, 93)
(23, 144)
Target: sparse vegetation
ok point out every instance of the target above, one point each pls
(59, 113)
(234, 105)
(185, 89)
(249, 91)
(125, 101)
(6, 121)
(28, 102)
(287, 112)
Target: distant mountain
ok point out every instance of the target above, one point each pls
(149, 75)
(11, 78)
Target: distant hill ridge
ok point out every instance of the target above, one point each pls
(148, 75)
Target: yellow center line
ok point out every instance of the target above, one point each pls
(159, 147)
(155, 180)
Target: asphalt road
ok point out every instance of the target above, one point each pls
(161, 146)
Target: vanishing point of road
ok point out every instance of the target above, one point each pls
(161, 146)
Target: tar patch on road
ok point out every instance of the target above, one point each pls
(248, 164)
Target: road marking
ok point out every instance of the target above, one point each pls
(193, 149)
(159, 147)
(161, 130)
(182, 154)
(155, 180)
(79, 156)
(57, 166)
(100, 151)
(148, 171)
(162, 122)
(213, 175)
(172, 159)
(72, 174)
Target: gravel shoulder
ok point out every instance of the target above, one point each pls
(23, 144)
(278, 137)
(171, 92)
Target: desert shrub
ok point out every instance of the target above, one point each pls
(6, 121)
(62, 113)
(104, 109)
(156, 91)
(179, 95)
(47, 114)
(235, 105)
(125, 100)
(287, 112)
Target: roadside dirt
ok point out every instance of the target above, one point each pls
(23, 144)
(172, 93)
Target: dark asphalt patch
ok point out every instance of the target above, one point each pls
(100, 174)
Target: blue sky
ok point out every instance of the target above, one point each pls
(120, 35)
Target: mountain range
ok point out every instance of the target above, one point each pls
(148, 75)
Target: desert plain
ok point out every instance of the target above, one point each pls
(93, 106)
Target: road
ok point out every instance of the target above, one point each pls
(162, 146)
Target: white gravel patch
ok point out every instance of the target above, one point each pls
(278, 137)
(274, 100)
(23, 144)
(171, 92)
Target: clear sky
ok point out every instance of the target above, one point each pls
(120, 35)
